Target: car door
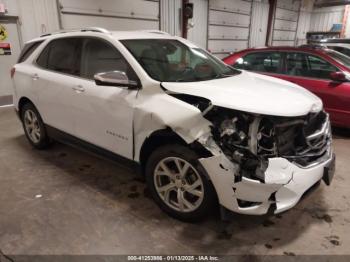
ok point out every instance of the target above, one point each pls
(54, 79)
(264, 62)
(104, 114)
(313, 73)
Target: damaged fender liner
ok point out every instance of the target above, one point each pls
(203, 104)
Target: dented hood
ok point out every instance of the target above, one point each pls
(253, 93)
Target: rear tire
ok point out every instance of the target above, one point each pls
(34, 127)
(179, 184)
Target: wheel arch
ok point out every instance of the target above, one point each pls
(21, 102)
(164, 137)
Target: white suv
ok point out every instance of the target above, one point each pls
(200, 131)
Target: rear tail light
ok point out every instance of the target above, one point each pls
(13, 71)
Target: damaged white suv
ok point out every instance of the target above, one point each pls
(201, 131)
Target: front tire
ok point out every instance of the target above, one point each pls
(34, 127)
(179, 184)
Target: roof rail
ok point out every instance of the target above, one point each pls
(95, 29)
(156, 32)
(87, 29)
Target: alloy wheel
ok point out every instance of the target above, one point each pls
(178, 184)
(31, 125)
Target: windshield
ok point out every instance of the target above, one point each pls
(172, 61)
(340, 58)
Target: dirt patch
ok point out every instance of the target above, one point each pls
(134, 195)
(334, 240)
(268, 246)
(289, 253)
(268, 223)
(133, 188)
(62, 154)
(327, 218)
(224, 235)
(147, 193)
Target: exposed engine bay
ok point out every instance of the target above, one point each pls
(250, 140)
(262, 161)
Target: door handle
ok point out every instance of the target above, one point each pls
(78, 89)
(35, 77)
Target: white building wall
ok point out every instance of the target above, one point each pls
(347, 26)
(170, 16)
(11, 6)
(110, 14)
(198, 25)
(303, 27)
(304, 21)
(36, 17)
(228, 26)
(322, 19)
(258, 27)
(285, 24)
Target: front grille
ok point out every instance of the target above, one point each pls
(317, 134)
(304, 141)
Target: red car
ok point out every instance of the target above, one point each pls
(322, 71)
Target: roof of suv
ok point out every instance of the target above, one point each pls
(119, 35)
(140, 34)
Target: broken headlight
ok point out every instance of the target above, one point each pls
(250, 139)
(244, 138)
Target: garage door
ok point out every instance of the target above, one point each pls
(110, 14)
(228, 26)
(285, 23)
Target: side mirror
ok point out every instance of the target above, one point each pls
(338, 76)
(115, 78)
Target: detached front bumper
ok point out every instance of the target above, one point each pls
(284, 185)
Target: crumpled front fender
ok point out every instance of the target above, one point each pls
(223, 173)
(283, 185)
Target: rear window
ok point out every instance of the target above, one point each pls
(339, 57)
(62, 55)
(343, 50)
(28, 50)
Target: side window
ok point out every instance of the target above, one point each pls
(28, 50)
(320, 68)
(62, 55)
(43, 57)
(99, 56)
(296, 64)
(343, 50)
(269, 62)
(301, 64)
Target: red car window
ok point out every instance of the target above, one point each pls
(269, 62)
(306, 65)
